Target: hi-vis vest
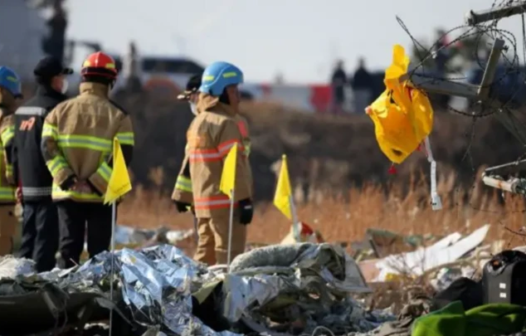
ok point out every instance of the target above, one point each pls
(78, 137)
(7, 132)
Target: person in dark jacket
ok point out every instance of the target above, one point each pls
(338, 82)
(40, 221)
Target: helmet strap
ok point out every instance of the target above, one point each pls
(223, 98)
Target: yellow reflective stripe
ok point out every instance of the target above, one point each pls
(104, 171)
(126, 138)
(183, 183)
(59, 193)
(49, 131)
(55, 164)
(247, 149)
(230, 74)
(84, 141)
(9, 169)
(8, 134)
(7, 193)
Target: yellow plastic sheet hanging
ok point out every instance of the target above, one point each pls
(402, 115)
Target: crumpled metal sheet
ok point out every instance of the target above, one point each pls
(155, 282)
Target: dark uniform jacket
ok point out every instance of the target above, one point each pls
(29, 168)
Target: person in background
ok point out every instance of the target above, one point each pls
(77, 143)
(338, 83)
(10, 92)
(441, 57)
(214, 131)
(362, 83)
(131, 69)
(182, 194)
(40, 220)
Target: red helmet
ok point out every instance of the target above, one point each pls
(99, 64)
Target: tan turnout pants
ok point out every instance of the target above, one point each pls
(8, 224)
(212, 247)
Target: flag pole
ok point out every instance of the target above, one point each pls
(230, 227)
(113, 227)
(295, 228)
(295, 224)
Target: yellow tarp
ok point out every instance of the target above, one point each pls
(402, 115)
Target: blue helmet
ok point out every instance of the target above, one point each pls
(10, 81)
(217, 76)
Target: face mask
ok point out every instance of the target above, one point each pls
(65, 85)
(193, 108)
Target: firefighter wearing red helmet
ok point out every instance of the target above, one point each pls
(77, 140)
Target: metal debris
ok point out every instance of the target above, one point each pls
(289, 288)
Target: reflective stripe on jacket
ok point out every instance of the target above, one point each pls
(77, 140)
(210, 137)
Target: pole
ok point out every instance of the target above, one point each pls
(295, 224)
(474, 18)
(230, 227)
(113, 227)
(196, 231)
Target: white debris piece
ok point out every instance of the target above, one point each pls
(447, 250)
(11, 267)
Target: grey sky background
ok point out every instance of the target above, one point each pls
(299, 38)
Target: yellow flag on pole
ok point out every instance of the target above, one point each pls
(119, 183)
(283, 190)
(228, 177)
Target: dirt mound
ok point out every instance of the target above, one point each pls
(325, 152)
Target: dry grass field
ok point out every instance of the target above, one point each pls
(368, 207)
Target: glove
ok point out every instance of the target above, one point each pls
(246, 211)
(181, 206)
(69, 182)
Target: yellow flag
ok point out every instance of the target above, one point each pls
(228, 178)
(119, 183)
(283, 190)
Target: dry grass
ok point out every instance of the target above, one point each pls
(403, 209)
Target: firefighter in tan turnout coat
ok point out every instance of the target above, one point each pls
(10, 91)
(213, 132)
(77, 142)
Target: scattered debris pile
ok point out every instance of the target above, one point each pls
(289, 289)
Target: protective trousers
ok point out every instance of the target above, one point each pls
(40, 234)
(8, 223)
(78, 220)
(212, 247)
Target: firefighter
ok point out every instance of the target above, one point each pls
(10, 92)
(182, 194)
(40, 221)
(77, 141)
(215, 129)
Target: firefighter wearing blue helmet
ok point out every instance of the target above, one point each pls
(10, 92)
(213, 132)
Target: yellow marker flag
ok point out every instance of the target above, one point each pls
(119, 183)
(283, 190)
(228, 178)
